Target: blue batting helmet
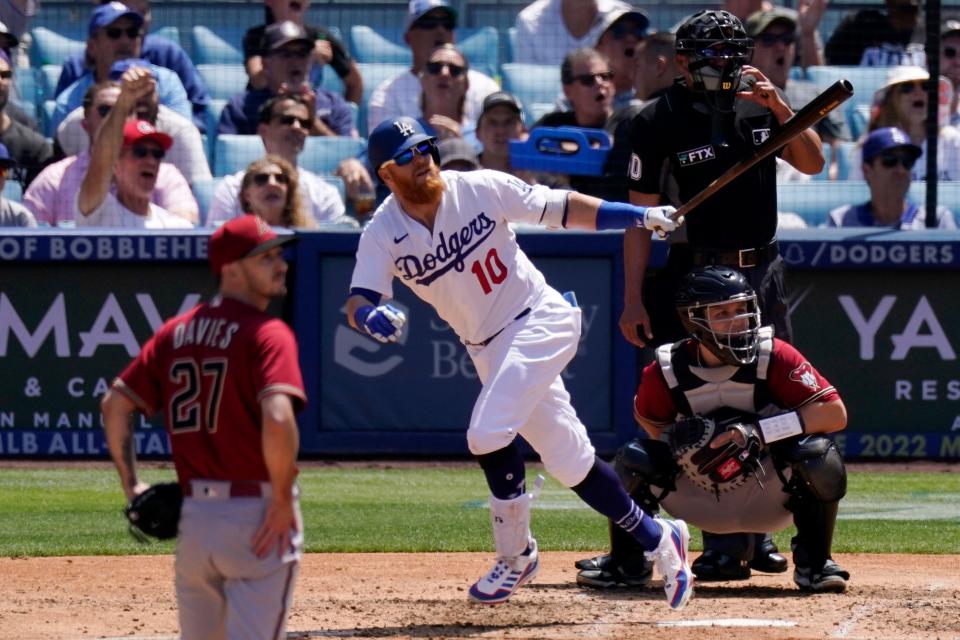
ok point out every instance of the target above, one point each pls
(392, 137)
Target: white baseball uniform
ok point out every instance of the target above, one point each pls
(519, 332)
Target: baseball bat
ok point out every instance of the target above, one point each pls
(811, 114)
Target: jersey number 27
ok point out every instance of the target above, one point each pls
(195, 381)
(491, 270)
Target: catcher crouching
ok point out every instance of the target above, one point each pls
(736, 421)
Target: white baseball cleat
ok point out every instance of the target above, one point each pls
(506, 576)
(670, 558)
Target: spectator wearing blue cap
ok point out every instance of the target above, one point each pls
(187, 153)
(286, 64)
(116, 33)
(159, 51)
(30, 149)
(429, 24)
(12, 214)
(888, 157)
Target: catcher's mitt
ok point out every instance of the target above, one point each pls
(155, 512)
(725, 468)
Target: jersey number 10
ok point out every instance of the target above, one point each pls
(492, 270)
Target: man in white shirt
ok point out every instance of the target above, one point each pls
(187, 152)
(430, 23)
(547, 30)
(128, 152)
(283, 126)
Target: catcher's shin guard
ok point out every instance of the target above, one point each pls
(817, 483)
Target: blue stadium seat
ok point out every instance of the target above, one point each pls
(373, 75)
(169, 32)
(511, 44)
(865, 80)
(858, 118)
(322, 154)
(480, 45)
(813, 201)
(233, 153)
(27, 90)
(51, 47)
(217, 45)
(46, 118)
(532, 83)
(948, 194)
(203, 192)
(223, 80)
(13, 191)
(49, 75)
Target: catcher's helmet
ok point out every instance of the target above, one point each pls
(392, 137)
(717, 46)
(732, 338)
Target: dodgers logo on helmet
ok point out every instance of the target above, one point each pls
(405, 128)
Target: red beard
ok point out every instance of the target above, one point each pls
(407, 189)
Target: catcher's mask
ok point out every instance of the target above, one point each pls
(723, 294)
(716, 46)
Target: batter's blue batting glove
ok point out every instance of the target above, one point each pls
(384, 323)
(658, 219)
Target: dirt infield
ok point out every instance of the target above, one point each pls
(424, 596)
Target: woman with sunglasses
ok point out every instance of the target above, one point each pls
(888, 156)
(270, 189)
(902, 102)
(444, 83)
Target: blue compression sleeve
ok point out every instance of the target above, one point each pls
(618, 215)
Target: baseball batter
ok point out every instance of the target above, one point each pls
(446, 236)
(226, 376)
(736, 418)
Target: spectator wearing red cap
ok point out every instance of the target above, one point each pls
(127, 152)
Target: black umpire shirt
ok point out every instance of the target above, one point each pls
(673, 140)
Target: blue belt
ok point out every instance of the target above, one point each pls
(488, 340)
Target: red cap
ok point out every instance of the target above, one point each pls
(136, 130)
(242, 237)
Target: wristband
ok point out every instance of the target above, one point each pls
(618, 215)
(781, 426)
(360, 316)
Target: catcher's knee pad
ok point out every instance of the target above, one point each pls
(818, 469)
(642, 462)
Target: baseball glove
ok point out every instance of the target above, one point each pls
(727, 467)
(155, 512)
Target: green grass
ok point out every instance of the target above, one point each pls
(54, 512)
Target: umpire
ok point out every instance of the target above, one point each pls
(716, 113)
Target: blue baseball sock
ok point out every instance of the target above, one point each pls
(505, 472)
(602, 490)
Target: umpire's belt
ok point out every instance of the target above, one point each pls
(742, 258)
(224, 489)
(490, 339)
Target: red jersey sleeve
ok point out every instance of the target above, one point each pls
(277, 364)
(653, 401)
(792, 379)
(141, 382)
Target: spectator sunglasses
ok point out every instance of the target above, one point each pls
(436, 68)
(407, 156)
(261, 179)
(950, 52)
(288, 120)
(140, 152)
(908, 87)
(770, 39)
(432, 23)
(590, 79)
(114, 33)
(890, 160)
